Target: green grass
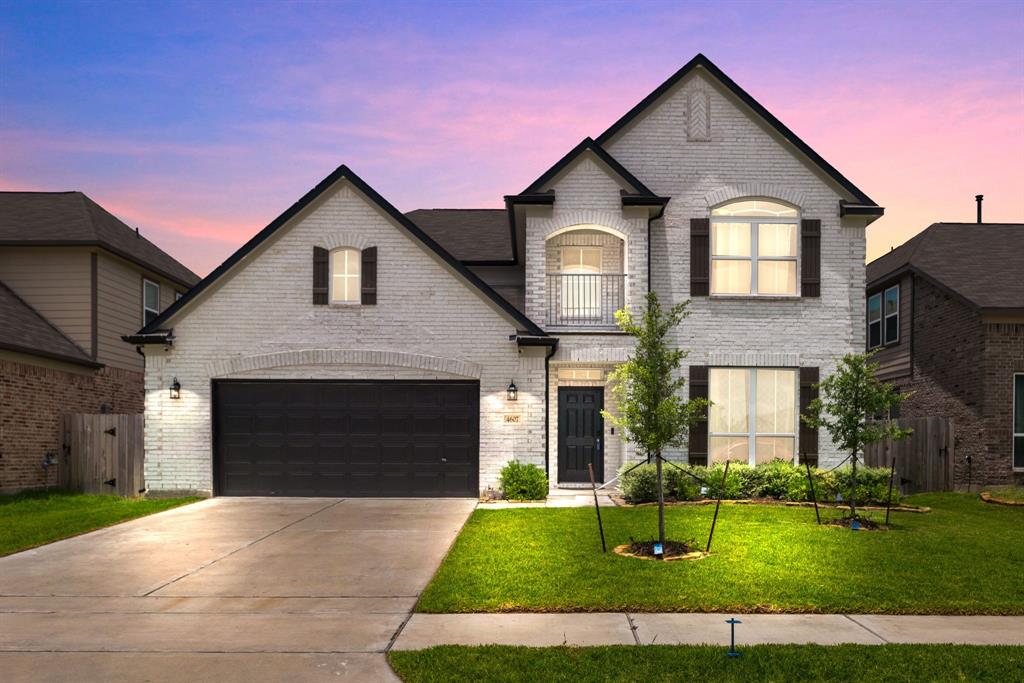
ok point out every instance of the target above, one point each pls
(964, 557)
(31, 519)
(652, 663)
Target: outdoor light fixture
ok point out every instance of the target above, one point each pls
(175, 389)
(513, 391)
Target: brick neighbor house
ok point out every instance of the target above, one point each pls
(350, 349)
(73, 280)
(945, 311)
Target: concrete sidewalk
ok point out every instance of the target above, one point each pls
(618, 628)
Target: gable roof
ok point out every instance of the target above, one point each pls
(588, 145)
(700, 61)
(73, 219)
(341, 173)
(981, 262)
(24, 330)
(474, 236)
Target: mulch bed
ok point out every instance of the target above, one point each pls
(865, 524)
(674, 550)
(621, 502)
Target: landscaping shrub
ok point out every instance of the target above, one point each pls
(521, 481)
(778, 479)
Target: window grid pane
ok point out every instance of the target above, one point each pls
(776, 277)
(730, 277)
(753, 414)
(731, 239)
(776, 239)
(345, 265)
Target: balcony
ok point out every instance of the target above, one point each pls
(584, 300)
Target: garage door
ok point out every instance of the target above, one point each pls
(295, 438)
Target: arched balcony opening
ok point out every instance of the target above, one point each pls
(586, 277)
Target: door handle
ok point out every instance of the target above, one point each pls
(598, 444)
(444, 459)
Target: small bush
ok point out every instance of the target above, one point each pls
(521, 481)
(640, 485)
(779, 479)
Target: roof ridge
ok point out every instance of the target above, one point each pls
(45, 319)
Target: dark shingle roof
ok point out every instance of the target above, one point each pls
(468, 234)
(982, 262)
(23, 329)
(71, 218)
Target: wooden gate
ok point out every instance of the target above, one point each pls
(924, 460)
(103, 454)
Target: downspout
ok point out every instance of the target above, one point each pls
(547, 409)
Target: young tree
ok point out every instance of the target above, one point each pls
(849, 400)
(648, 389)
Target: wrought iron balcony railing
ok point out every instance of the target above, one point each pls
(585, 299)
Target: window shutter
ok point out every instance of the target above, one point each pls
(698, 443)
(808, 435)
(810, 262)
(368, 275)
(700, 256)
(321, 274)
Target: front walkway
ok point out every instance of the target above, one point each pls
(617, 628)
(227, 589)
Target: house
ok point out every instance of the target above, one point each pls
(73, 280)
(945, 313)
(351, 349)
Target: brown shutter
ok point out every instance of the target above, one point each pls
(810, 262)
(700, 256)
(368, 275)
(320, 276)
(698, 443)
(808, 435)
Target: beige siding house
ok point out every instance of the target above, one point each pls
(72, 283)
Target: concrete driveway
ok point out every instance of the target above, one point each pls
(228, 589)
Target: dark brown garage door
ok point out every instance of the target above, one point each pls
(295, 438)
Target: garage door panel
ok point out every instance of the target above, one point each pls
(359, 438)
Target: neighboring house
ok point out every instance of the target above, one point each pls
(73, 280)
(945, 312)
(350, 349)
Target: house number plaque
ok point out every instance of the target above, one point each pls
(513, 418)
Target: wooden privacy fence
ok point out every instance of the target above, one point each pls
(103, 454)
(924, 460)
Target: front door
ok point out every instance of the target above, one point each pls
(580, 430)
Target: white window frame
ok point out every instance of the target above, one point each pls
(754, 222)
(751, 434)
(1014, 434)
(358, 278)
(883, 320)
(146, 309)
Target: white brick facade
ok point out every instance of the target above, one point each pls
(260, 323)
(699, 145)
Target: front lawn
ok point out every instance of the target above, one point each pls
(36, 518)
(964, 557)
(651, 663)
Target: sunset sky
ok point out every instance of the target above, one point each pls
(201, 122)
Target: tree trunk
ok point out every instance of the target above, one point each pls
(661, 504)
(853, 487)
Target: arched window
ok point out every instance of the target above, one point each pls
(345, 276)
(753, 248)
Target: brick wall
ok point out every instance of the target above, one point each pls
(33, 398)
(963, 370)
(1003, 356)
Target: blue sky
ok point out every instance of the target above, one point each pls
(200, 122)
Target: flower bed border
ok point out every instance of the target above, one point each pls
(623, 550)
(621, 502)
(989, 498)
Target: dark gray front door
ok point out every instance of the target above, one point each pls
(580, 430)
(346, 438)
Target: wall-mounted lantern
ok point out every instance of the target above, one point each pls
(513, 391)
(175, 389)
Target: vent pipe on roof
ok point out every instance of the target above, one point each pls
(979, 198)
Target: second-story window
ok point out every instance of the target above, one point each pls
(345, 276)
(150, 301)
(753, 248)
(581, 289)
(884, 317)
